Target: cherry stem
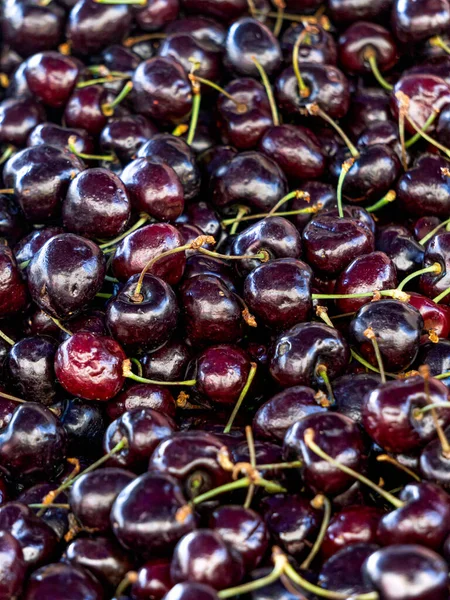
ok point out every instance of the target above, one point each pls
(428, 407)
(441, 296)
(13, 398)
(137, 2)
(108, 107)
(424, 371)
(242, 108)
(442, 375)
(58, 323)
(367, 364)
(433, 232)
(262, 255)
(136, 362)
(143, 218)
(434, 268)
(309, 441)
(269, 91)
(242, 212)
(322, 372)
(7, 339)
(439, 43)
(391, 460)
(104, 295)
(180, 130)
(103, 71)
(130, 578)
(370, 335)
(4, 80)
(269, 486)
(131, 41)
(54, 505)
(295, 464)
(128, 373)
(320, 501)
(242, 395)
(7, 154)
(252, 455)
(294, 18)
(71, 145)
(371, 56)
(308, 210)
(7, 191)
(387, 199)
(298, 194)
(315, 110)
(401, 135)
(396, 294)
(322, 312)
(278, 569)
(51, 496)
(416, 137)
(279, 20)
(303, 89)
(346, 166)
(108, 79)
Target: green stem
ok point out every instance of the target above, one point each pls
(441, 296)
(346, 166)
(439, 42)
(196, 99)
(58, 323)
(387, 199)
(295, 464)
(239, 484)
(433, 232)
(303, 89)
(434, 268)
(136, 362)
(429, 407)
(323, 501)
(143, 218)
(242, 108)
(6, 154)
(416, 137)
(13, 398)
(99, 80)
(71, 145)
(295, 194)
(7, 339)
(246, 588)
(269, 91)
(315, 110)
(322, 372)
(396, 294)
(428, 138)
(65, 506)
(279, 19)
(130, 578)
(308, 210)
(104, 295)
(135, 2)
(442, 375)
(108, 107)
(370, 334)
(128, 373)
(367, 364)
(251, 376)
(242, 211)
(401, 135)
(371, 57)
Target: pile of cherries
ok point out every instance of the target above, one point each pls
(225, 300)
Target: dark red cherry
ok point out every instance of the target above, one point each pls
(278, 293)
(124, 135)
(12, 222)
(413, 21)
(434, 464)
(249, 178)
(248, 38)
(320, 194)
(153, 580)
(143, 516)
(204, 29)
(202, 215)
(40, 187)
(363, 37)
(55, 135)
(199, 264)
(401, 247)
(437, 250)
(13, 569)
(367, 106)
(351, 525)
(93, 26)
(200, 546)
(85, 425)
(154, 188)
(30, 244)
(90, 321)
(143, 428)
(425, 225)
(342, 572)
(92, 496)
(90, 366)
(65, 274)
(222, 10)
(30, 367)
(51, 77)
(162, 90)
(102, 557)
(142, 395)
(380, 132)
(436, 356)
(349, 391)
(397, 326)
(173, 151)
(155, 15)
(96, 205)
(388, 413)
(64, 581)
(13, 290)
(407, 572)
(349, 10)
(145, 244)
(299, 352)
(317, 47)
(436, 317)
(168, 363)
(18, 117)
(191, 590)
(84, 108)
(336, 435)
(183, 48)
(37, 540)
(119, 58)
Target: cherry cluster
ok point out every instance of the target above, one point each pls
(225, 300)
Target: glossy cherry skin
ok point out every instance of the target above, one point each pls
(388, 413)
(295, 149)
(434, 465)
(411, 22)
(143, 516)
(342, 572)
(397, 326)
(84, 109)
(212, 313)
(278, 292)
(191, 458)
(349, 10)
(171, 150)
(407, 572)
(154, 188)
(66, 274)
(298, 352)
(13, 569)
(203, 215)
(90, 366)
(327, 86)
(120, 58)
(162, 90)
(143, 428)
(92, 496)
(203, 556)
(367, 273)
(155, 15)
(167, 363)
(358, 39)
(330, 243)
(12, 222)
(223, 11)
(34, 443)
(37, 540)
(204, 29)
(336, 435)
(349, 391)
(436, 356)
(181, 47)
(318, 47)
(191, 591)
(243, 128)
(436, 317)
(246, 38)
(425, 225)
(41, 186)
(351, 525)
(55, 518)
(437, 250)
(30, 367)
(51, 77)
(199, 264)
(142, 395)
(92, 26)
(153, 580)
(401, 247)
(249, 178)
(18, 117)
(61, 580)
(146, 243)
(13, 290)
(124, 135)
(291, 520)
(146, 324)
(85, 425)
(55, 135)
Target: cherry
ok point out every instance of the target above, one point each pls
(84, 108)
(341, 573)
(436, 356)
(184, 48)
(55, 518)
(119, 58)
(13, 291)
(320, 195)
(143, 395)
(223, 10)
(145, 244)
(30, 367)
(54, 135)
(153, 580)
(436, 318)
(51, 77)
(199, 264)
(85, 425)
(318, 47)
(368, 106)
(96, 204)
(12, 222)
(93, 494)
(350, 390)
(13, 569)
(154, 188)
(191, 590)
(425, 225)
(156, 15)
(124, 135)
(204, 29)
(437, 250)
(362, 41)
(203, 216)
(143, 516)
(397, 242)
(18, 118)
(407, 572)
(53, 580)
(92, 26)
(351, 525)
(412, 23)
(167, 363)
(380, 132)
